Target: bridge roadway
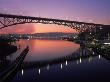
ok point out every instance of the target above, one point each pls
(8, 74)
(10, 20)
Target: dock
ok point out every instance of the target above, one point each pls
(8, 74)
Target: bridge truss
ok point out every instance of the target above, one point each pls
(7, 20)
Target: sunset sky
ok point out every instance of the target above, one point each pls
(96, 11)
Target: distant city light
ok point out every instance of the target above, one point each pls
(101, 28)
(106, 43)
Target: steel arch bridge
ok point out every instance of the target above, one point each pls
(10, 20)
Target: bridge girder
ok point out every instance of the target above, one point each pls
(10, 20)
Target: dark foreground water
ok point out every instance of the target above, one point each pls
(61, 61)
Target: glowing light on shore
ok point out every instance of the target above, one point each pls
(106, 43)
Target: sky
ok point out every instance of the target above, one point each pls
(95, 11)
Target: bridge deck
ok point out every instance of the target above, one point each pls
(41, 18)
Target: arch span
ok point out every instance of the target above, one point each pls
(10, 20)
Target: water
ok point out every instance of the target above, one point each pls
(48, 49)
(61, 61)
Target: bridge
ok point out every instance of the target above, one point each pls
(10, 20)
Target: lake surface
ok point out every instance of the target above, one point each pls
(48, 49)
(78, 68)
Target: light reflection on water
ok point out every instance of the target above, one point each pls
(48, 49)
(96, 69)
(90, 68)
